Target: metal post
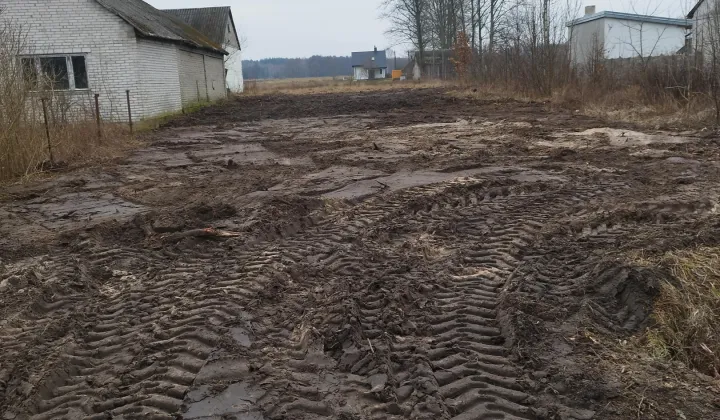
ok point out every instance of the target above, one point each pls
(97, 115)
(47, 132)
(197, 85)
(127, 93)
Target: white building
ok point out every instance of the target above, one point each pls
(106, 47)
(705, 16)
(217, 23)
(612, 35)
(369, 65)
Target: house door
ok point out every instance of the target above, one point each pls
(371, 74)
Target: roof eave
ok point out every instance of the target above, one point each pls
(691, 14)
(632, 17)
(237, 38)
(181, 42)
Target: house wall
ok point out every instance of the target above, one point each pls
(202, 76)
(585, 39)
(158, 72)
(215, 70)
(706, 17)
(361, 73)
(83, 27)
(233, 64)
(628, 39)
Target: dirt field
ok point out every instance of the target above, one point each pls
(392, 254)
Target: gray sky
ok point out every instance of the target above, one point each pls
(301, 28)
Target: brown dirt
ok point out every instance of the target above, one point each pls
(403, 254)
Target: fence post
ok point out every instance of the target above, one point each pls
(127, 92)
(197, 86)
(97, 115)
(47, 131)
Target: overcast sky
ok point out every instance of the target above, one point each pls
(301, 28)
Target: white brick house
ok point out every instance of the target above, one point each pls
(106, 47)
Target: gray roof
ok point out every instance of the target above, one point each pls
(153, 23)
(210, 21)
(632, 17)
(365, 59)
(691, 14)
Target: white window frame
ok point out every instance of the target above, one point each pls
(68, 63)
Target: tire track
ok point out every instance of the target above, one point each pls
(459, 369)
(161, 315)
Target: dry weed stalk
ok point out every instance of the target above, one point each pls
(24, 144)
(687, 313)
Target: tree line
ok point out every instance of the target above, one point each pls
(505, 36)
(286, 68)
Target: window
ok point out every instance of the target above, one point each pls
(80, 72)
(55, 72)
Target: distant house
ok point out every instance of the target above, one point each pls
(105, 47)
(217, 23)
(369, 65)
(612, 35)
(705, 16)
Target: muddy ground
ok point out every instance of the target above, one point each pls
(399, 254)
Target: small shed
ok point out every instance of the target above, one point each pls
(369, 65)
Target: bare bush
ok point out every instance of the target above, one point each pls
(27, 144)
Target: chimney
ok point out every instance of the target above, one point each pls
(589, 10)
(375, 49)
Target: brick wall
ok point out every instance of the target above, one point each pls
(116, 59)
(192, 77)
(159, 77)
(215, 70)
(233, 63)
(83, 27)
(202, 76)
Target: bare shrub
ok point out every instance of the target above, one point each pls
(25, 101)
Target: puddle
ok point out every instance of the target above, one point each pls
(237, 401)
(405, 179)
(682, 160)
(249, 152)
(330, 179)
(241, 336)
(223, 370)
(69, 209)
(620, 137)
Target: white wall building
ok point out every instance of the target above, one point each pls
(106, 47)
(217, 23)
(613, 35)
(369, 65)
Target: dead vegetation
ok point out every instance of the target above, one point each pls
(43, 129)
(687, 312)
(332, 85)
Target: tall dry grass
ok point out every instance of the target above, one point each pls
(687, 312)
(25, 146)
(332, 85)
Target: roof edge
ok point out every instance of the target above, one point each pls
(630, 16)
(691, 14)
(144, 33)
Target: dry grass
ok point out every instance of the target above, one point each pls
(25, 152)
(330, 85)
(687, 312)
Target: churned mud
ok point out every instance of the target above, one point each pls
(382, 255)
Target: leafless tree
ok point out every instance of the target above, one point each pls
(408, 19)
